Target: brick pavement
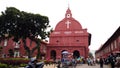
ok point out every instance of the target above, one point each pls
(96, 66)
(78, 66)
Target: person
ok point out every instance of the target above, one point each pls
(35, 64)
(101, 62)
(94, 61)
(88, 61)
(117, 64)
(32, 63)
(58, 66)
(112, 60)
(59, 62)
(74, 62)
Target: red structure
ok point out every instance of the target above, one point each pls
(112, 45)
(17, 48)
(68, 36)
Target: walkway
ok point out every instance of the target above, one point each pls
(78, 66)
(86, 66)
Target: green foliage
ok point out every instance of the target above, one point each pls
(17, 59)
(7, 66)
(23, 65)
(3, 65)
(48, 62)
(22, 25)
(11, 66)
(90, 55)
(14, 61)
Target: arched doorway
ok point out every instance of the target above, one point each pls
(53, 54)
(76, 54)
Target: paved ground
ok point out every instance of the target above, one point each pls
(86, 66)
(82, 66)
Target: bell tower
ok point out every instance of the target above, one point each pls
(68, 13)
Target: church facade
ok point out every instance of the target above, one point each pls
(68, 36)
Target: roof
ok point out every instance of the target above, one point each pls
(68, 23)
(112, 38)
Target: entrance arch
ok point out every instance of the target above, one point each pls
(53, 54)
(76, 54)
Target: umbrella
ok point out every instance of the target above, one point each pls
(65, 52)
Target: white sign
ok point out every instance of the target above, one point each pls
(56, 32)
(79, 32)
(67, 32)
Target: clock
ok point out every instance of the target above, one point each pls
(68, 15)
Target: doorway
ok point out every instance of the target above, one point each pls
(53, 54)
(76, 54)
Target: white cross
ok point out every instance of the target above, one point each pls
(68, 24)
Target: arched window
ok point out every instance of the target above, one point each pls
(76, 54)
(53, 54)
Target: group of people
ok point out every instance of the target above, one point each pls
(68, 62)
(90, 61)
(113, 60)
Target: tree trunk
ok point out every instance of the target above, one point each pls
(30, 52)
(27, 48)
(39, 53)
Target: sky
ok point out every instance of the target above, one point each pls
(100, 17)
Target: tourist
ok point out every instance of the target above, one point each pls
(112, 60)
(117, 64)
(74, 62)
(101, 62)
(58, 62)
(88, 61)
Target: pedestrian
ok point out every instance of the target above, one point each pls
(94, 61)
(59, 62)
(117, 63)
(74, 62)
(32, 63)
(112, 60)
(88, 61)
(101, 62)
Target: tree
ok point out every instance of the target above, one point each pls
(23, 25)
(90, 55)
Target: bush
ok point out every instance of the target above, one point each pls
(10, 66)
(23, 65)
(3, 65)
(48, 62)
(14, 61)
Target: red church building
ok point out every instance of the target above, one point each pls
(68, 36)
